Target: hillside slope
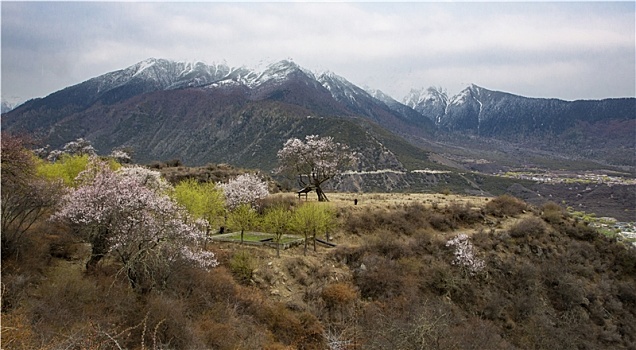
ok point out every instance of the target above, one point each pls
(528, 277)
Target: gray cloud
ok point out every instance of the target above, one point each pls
(563, 50)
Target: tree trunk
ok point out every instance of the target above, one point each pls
(98, 250)
(242, 236)
(322, 197)
(137, 282)
(305, 251)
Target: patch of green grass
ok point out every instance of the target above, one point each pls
(259, 236)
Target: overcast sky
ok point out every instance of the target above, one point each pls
(567, 50)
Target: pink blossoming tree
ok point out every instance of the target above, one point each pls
(125, 214)
(244, 189)
(314, 161)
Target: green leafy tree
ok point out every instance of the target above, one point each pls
(311, 218)
(277, 221)
(201, 200)
(67, 167)
(243, 218)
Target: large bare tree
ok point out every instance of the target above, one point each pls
(26, 197)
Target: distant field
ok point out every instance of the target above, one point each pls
(392, 199)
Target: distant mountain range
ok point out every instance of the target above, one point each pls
(203, 113)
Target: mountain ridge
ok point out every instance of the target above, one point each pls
(423, 117)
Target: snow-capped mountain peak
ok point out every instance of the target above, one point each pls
(341, 88)
(430, 95)
(9, 103)
(381, 96)
(162, 74)
(461, 97)
(140, 67)
(431, 102)
(273, 73)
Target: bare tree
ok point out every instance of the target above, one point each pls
(25, 196)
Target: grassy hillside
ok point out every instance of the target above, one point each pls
(538, 280)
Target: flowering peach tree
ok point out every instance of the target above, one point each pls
(126, 215)
(314, 161)
(244, 189)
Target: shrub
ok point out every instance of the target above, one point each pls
(406, 219)
(495, 306)
(392, 249)
(552, 213)
(242, 266)
(17, 331)
(524, 305)
(505, 205)
(299, 269)
(463, 214)
(287, 201)
(361, 222)
(15, 289)
(440, 222)
(299, 330)
(475, 333)
(64, 245)
(166, 324)
(351, 256)
(530, 227)
(581, 232)
(62, 302)
(564, 290)
(423, 325)
(173, 163)
(627, 293)
(338, 294)
(203, 289)
(379, 278)
(156, 165)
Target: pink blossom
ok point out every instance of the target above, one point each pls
(314, 161)
(244, 189)
(130, 212)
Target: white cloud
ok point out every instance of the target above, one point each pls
(518, 47)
